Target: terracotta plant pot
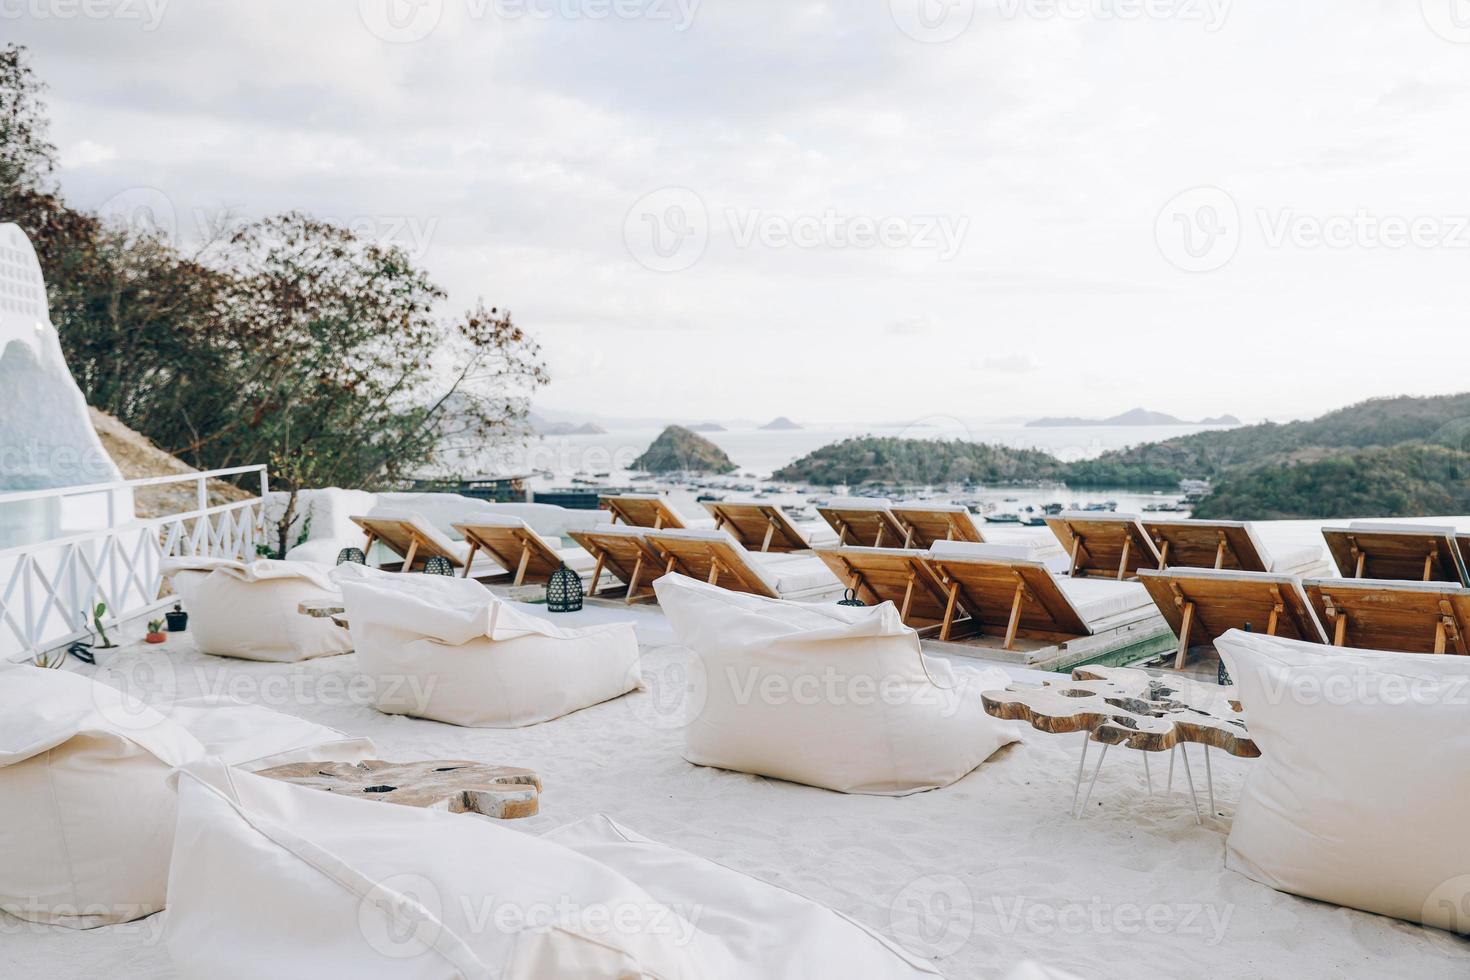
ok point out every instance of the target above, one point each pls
(155, 637)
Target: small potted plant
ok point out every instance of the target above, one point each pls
(155, 632)
(178, 620)
(97, 613)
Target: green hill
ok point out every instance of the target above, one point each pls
(1400, 481)
(678, 450)
(891, 461)
(1442, 421)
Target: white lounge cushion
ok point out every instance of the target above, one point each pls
(88, 823)
(826, 695)
(784, 574)
(1293, 561)
(323, 885)
(1100, 599)
(858, 503)
(449, 650)
(1359, 797)
(576, 559)
(249, 611)
(971, 549)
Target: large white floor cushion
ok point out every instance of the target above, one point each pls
(449, 650)
(323, 885)
(250, 611)
(1361, 793)
(88, 810)
(826, 695)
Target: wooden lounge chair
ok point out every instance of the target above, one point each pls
(1395, 552)
(516, 545)
(1410, 617)
(1227, 545)
(627, 553)
(1207, 603)
(643, 510)
(758, 526)
(901, 576)
(924, 524)
(717, 558)
(1463, 540)
(1101, 544)
(1015, 597)
(863, 522)
(412, 538)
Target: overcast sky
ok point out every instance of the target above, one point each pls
(860, 211)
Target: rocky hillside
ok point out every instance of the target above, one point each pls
(679, 450)
(138, 458)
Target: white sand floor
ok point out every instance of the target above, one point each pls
(978, 877)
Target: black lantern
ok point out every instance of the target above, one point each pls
(178, 620)
(849, 598)
(564, 591)
(353, 555)
(438, 565)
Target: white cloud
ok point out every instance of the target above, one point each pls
(516, 145)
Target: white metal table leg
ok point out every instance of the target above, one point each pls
(1210, 780)
(1188, 774)
(1077, 786)
(1095, 772)
(1148, 776)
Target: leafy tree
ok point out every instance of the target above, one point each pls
(289, 341)
(27, 158)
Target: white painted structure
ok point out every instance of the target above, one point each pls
(47, 587)
(46, 435)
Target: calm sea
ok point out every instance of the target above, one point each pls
(608, 457)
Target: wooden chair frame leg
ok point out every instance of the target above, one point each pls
(1186, 626)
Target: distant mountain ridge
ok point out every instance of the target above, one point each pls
(780, 424)
(1137, 416)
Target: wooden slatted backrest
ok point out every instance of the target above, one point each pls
(1405, 617)
(1227, 600)
(894, 575)
(1201, 544)
(699, 554)
(864, 527)
(1097, 543)
(644, 510)
(507, 544)
(620, 553)
(1397, 554)
(751, 522)
(400, 534)
(925, 525)
(987, 589)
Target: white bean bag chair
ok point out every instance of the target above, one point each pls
(449, 650)
(1360, 796)
(826, 695)
(275, 880)
(249, 611)
(88, 810)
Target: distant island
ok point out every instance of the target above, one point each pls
(706, 427)
(678, 450)
(545, 427)
(1389, 457)
(1137, 416)
(779, 424)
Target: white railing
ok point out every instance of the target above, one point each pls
(52, 581)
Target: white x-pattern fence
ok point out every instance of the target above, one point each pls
(49, 588)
